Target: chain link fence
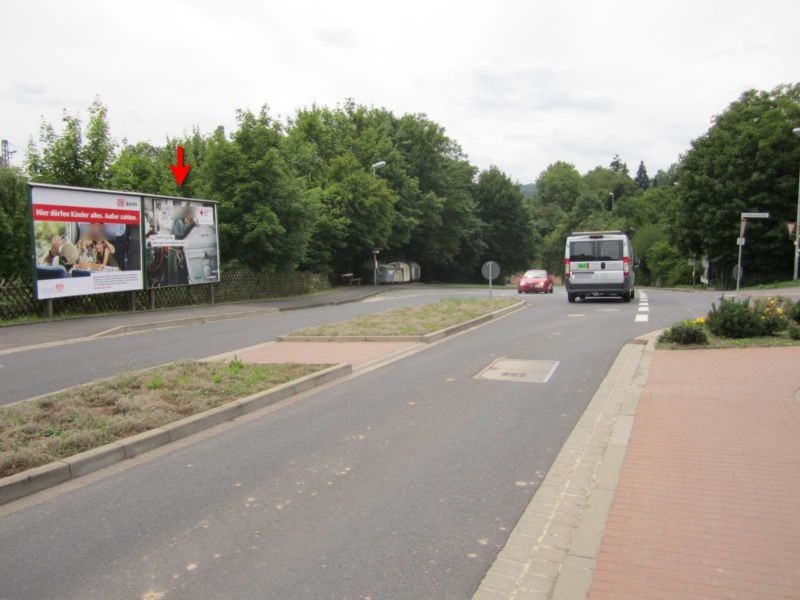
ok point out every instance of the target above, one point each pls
(18, 302)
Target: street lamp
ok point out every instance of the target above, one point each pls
(375, 166)
(796, 131)
(612, 200)
(378, 165)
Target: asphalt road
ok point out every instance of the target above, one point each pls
(401, 483)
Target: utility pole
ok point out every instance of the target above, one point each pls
(5, 155)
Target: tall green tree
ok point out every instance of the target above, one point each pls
(70, 158)
(507, 229)
(641, 179)
(15, 241)
(265, 220)
(746, 161)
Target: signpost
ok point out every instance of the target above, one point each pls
(490, 271)
(740, 241)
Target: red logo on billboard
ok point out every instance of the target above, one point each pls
(121, 202)
(59, 287)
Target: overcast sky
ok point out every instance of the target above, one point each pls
(518, 84)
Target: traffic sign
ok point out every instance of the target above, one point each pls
(755, 215)
(490, 270)
(740, 241)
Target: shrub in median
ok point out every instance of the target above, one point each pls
(773, 313)
(734, 319)
(794, 312)
(685, 332)
(794, 330)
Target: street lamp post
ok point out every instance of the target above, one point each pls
(796, 131)
(375, 166)
(612, 200)
(740, 241)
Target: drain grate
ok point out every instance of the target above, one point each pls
(519, 370)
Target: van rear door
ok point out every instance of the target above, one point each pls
(581, 259)
(608, 263)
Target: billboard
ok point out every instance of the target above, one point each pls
(181, 242)
(85, 241)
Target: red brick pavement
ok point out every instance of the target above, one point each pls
(708, 502)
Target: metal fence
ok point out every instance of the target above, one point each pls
(17, 300)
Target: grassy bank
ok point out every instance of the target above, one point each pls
(415, 320)
(81, 418)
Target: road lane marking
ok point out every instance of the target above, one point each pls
(607, 310)
(644, 308)
(577, 315)
(642, 318)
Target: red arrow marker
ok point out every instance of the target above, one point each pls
(180, 171)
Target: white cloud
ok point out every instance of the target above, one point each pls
(519, 84)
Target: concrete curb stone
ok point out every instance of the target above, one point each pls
(33, 480)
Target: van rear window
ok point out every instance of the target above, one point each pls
(599, 250)
(581, 251)
(609, 250)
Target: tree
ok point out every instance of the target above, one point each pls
(641, 179)
(618, 166)
(67, 159)
(746, 161)
(265, 220)
(506, 229)
(15, 241)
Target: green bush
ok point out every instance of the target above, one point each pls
(685, 332)
(794, 330)
(794, 312)
(734, 319)
(772, 312)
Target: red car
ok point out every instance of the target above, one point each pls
(535, 281)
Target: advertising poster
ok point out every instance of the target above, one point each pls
(85, 242)
(181, 246)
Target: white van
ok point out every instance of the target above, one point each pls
(599, 263)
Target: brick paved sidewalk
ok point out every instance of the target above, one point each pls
(708, 500)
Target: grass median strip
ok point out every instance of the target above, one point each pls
(414, 320)
(63, 424)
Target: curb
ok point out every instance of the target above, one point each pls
(426, 338)
(139, 327)
(332, 303)
(45, 476)
(552, 551)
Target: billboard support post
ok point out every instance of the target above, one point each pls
(152, 298)
(132, 301)
(211, 292)
(48, 309)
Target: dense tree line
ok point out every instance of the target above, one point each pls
(301, 193)
(748, 160)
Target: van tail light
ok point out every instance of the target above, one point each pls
(566, 267)
(626, 265)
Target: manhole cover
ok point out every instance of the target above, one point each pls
(523, 371)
